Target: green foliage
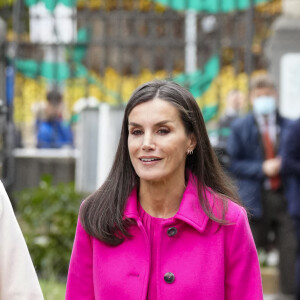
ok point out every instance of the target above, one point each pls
(53, 290)
(268, 258)
(48, 216)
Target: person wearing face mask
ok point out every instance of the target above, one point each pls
(255, 150)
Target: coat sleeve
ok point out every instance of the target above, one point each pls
(241, 166)
(242, 274)
(18, 279)
(291, 150)
(80, 276)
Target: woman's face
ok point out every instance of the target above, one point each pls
(157, 141)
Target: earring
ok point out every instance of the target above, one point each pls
(190, 152)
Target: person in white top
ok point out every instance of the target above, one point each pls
(18, 279)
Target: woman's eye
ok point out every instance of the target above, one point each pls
(136, 132)
(163, 131)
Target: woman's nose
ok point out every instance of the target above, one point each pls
(148, 142)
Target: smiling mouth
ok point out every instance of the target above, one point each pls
(149, 159)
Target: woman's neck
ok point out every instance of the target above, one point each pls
(161, 199)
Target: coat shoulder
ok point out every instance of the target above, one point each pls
(244, 121)
(234, 212)
(232, 209)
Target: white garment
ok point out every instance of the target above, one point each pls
(18, 279)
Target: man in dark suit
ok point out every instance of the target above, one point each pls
(254, 148)
(291, 168)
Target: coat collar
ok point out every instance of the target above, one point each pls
(190, 210)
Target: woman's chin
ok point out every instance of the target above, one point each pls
(151, 176)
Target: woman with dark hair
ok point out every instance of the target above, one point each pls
(166, 223)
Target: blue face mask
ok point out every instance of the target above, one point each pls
(264, 105)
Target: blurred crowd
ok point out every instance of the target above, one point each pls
(261, 152)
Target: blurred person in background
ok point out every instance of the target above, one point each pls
(166, 223)
(18, 279)
(291, 163)
(235, 104)
(255, 149)
(51, 130)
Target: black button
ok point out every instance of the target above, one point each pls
(169, 277)
(172, 231)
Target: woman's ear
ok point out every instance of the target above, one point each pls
(193, 142)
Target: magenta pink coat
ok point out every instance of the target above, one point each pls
(209, 261)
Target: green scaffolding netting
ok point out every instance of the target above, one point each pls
(58, 71)
(211, 6)
(52, 71)
(197, 82)
(209, 112)
(50, 4)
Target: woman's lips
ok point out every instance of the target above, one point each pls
(149, 160)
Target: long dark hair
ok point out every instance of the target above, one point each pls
(102, 212)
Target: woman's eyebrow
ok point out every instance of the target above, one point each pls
(156, 124)
(134, 124)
